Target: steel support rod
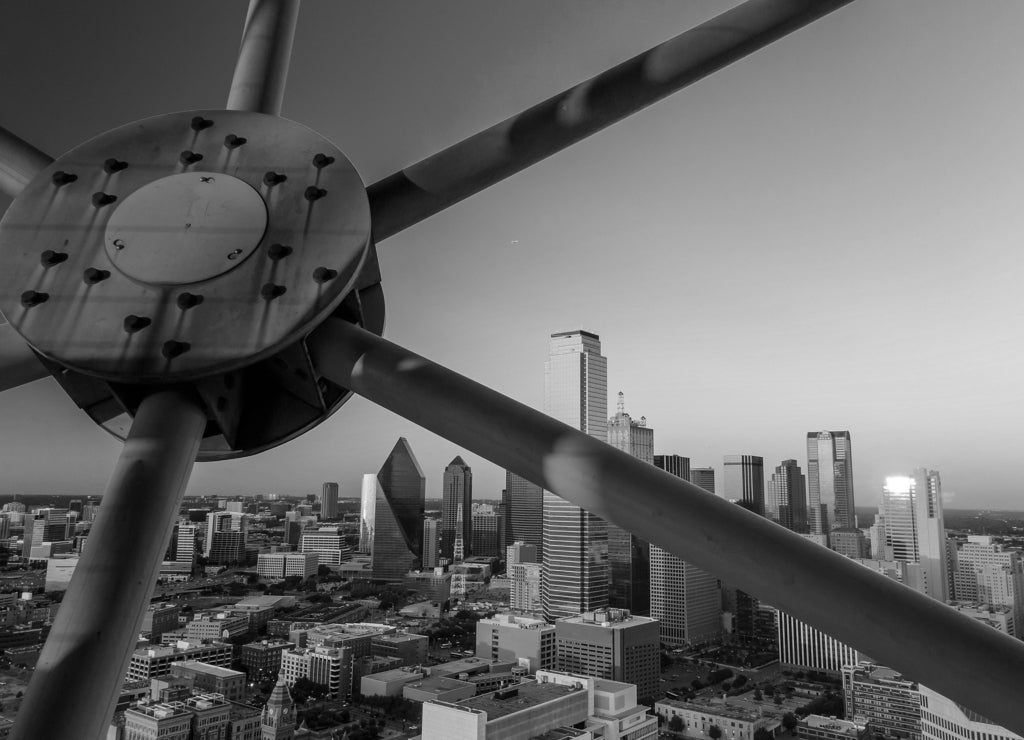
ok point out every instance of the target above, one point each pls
(466, 168)
(919, 636)
(19, 163)
(262, 67)
(83, 664)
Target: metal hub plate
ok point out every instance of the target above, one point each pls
(185, 228)
(121, 262)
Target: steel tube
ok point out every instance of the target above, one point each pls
(18, 363)
(83, 664)
(262, 67)
(19, 163)
(904, 629)
(439, 181)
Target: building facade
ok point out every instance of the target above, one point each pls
(329, 501)
(612, 644)
(804, 647)
(456, 505)
(786, 499)
(398, 515)
(743, 481)
(830, 502)
(881, 696)
(914, 528)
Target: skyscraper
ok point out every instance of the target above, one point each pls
(523, 502)
(744, 481)
(704, 478)
(786, 502)
(829, 482)
(611, 643)
(329, 501)
(457, 492)
(398, 515)
(367, 511)
(686, 601)
(574, 573)
(629, 557)
(431, 542)
(915, 532)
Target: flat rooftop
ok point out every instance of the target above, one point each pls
(713, 706)
(519, 697)
(210, 670)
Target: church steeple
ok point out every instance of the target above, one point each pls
(278, 719)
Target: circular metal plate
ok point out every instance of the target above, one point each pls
(185, 228)
(167, 310)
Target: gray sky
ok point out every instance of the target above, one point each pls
(822, 236)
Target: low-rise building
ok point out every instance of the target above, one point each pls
(331, 667)
(699, 715)
(160, 618)
(530, 642)
(216, 626)
(154, 661)
(262, 659)
(409, 648)
(389, 683)
(816, 727)
(438, 688)
(276, 566)
(211, 679)
(158, 722)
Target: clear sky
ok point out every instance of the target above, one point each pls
(825, 235)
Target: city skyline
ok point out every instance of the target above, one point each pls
(803, 176)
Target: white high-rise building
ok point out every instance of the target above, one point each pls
(944, 719)
(914, 528)
(989, 573)
(574, 573)
(803, 646)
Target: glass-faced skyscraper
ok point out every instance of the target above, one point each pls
(574, 574)
(744, 481)
(523, 503)
(830, 502)
(786, 500)
(457, 491)
(398, 515)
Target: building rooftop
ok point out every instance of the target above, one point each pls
(211, 670)
(397, 674)
(517, 698)
(840, 726)
(608, 618)
(438, 684)
(250, 602)
(715, 707)
(400, 637)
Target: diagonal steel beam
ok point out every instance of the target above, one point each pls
(262, 67)
(83, 663)
(921, 637)
(466, 168)
(19, 163)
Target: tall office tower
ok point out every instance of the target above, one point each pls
(629, 557)
(744, 481)
(367, 508)
(45, 525)
(457, 493)
(524, 504)
(613, 644)
(225, 537)
(675, 464)
(398, 515)
(488, 532)
(703, 478)
(523, 566)
(989, 573)
(686, 601)
(786, 501)
(829, 482)
(329, 501)
(914, 529)
(431, 543)
(182, 548)
(804, 647)
(574, 572)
